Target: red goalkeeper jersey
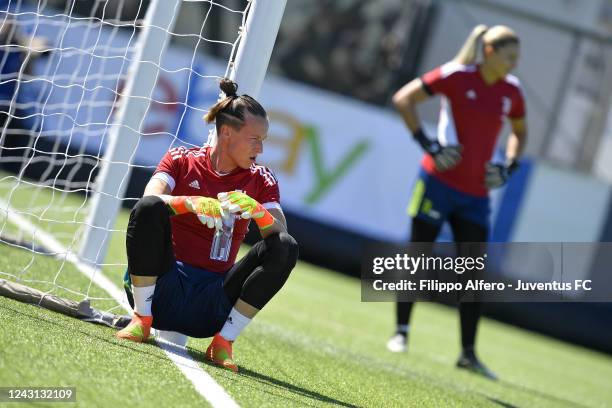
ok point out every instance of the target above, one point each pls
(471, 114)
(189, 172)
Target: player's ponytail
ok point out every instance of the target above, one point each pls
(469, 51)
(231, 109)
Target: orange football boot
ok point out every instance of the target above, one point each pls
(137, 330)
(219, 352)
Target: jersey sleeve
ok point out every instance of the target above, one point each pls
(441, 80)
(517, 111)
(172, 163)
(269, 192)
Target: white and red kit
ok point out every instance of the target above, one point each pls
(472, 114)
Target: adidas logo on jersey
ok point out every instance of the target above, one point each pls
(471, 94)
(194, 184)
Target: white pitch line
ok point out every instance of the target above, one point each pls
(204, 384)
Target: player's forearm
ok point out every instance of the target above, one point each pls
(279, 225)
(156, 187)
(515, 145)
(276, 228)
(410, 118)
(176, 204)
(408, 112)
(405, 101)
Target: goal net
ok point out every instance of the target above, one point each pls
(92, 94)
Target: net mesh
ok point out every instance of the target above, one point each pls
(62, 78)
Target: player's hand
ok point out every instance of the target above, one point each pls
(445, 157)
(207, 209)
(496, 175)
(239, 202)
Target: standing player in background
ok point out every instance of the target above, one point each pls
(176, 285)
(457, 172)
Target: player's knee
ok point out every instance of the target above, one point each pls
(284, 247)
(148, 209)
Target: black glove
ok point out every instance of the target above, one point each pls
(498, 174)
(445, 157)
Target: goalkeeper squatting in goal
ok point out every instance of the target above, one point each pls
(172, 283)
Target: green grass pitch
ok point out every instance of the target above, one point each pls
(315, 344)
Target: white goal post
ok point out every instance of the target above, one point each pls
(105, 94)
(82, 91)
(248, 69)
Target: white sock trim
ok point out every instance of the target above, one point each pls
(235, 323)
(143, 297)
(404, 328)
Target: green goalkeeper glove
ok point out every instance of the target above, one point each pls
(207, 209)
(238, 202)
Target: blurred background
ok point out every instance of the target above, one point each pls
(344, 160)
